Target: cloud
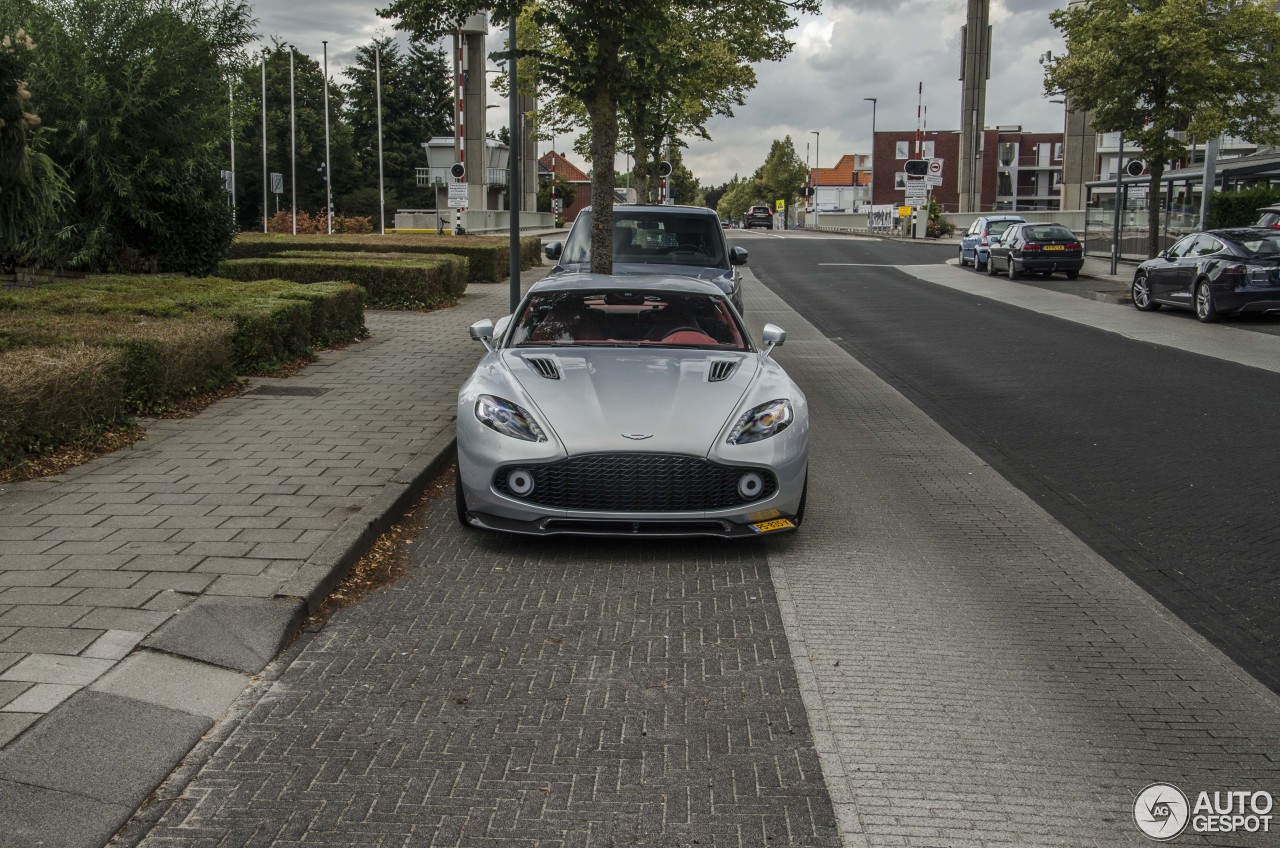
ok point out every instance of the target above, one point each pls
(854, 49)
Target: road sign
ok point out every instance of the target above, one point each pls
(228, 180)
(931, 180)
(277, 183)
(935, 168)
(458, 195)
(780, 205)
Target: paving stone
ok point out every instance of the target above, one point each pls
(20, 534)
(113, 645)
(92, 562)
(41, 698)
(33, 578)
(8, 660)
(242, 586)
(29, 562)
(164, 563)
(100, 597)
(32, 547)
(99, 579)
(10, 689)
(42, 616)
(108, 618)
(191, 583)
(49, 640)
(232, 565)
(168, 601)
(36, 595)
(174, 682)
(51, 668)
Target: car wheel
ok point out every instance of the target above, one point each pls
(1012, 270)
(1072, 275)
(1205, 310)
(460, 500)
(964, 263)
(1141, 293)
(991, 268)
(978, 264)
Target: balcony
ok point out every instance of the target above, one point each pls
(428, 177)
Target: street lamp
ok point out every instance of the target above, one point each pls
(872, 158)
(817, 156)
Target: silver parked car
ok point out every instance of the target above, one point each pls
(630, 405)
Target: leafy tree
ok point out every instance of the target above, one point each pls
(1148, 68)
(566, 190)
(781, 177)
(134, 95)
(416, 105)
(739, 196)
(585, 52)
(682, 183)
(32, 190)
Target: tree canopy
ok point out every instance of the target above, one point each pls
(133, 93)
(590, 52)
(1153, 68)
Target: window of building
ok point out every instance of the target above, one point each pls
(1004, 184)
(902, 150)
(1057, 151)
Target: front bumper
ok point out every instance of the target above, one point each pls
(655, 527)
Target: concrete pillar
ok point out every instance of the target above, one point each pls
(529, 162)
(1079, 158)
(975, 69)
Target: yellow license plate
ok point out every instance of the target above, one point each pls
(1054, 247)
(776, 524)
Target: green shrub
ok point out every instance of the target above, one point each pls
(51, 396)
(390, 280)
(487, 255)
(1239, 208)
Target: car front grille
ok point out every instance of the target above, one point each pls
(636, 482)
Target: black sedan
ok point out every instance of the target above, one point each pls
(1215, 273)
(1036, 249)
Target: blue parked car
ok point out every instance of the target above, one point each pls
(976, 240)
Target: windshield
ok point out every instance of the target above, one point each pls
(995, 228)
(1049, 233)
(628, 319)
(653, 238)
(1262, 245)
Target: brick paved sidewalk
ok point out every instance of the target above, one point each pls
(203, 540)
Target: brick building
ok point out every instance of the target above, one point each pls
(1020, 170)
(550, 162)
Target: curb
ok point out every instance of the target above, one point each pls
(76, 778)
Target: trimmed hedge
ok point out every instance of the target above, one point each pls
(275, 321)
(487, 256)
(52, 396)
(390, 281)
(1240, 208)
(78, 357)
(164, 360)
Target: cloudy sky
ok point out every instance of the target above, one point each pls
(854, 49)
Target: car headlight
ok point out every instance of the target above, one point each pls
(509, 419)
(765, 420)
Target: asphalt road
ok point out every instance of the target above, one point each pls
(1163, 461)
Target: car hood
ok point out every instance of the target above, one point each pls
(662, 398)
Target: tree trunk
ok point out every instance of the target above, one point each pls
(602, 109)
(1154, 202)
(638, 171)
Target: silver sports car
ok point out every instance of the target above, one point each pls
(630, 405)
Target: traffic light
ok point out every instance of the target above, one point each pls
(916, 168)
(664, 169)
(458, 170)
(323, 171)
(1135, 167)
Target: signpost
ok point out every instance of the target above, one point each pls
(934, 177)
(458, 195)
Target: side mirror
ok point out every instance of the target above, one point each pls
(737, 256)
(553, 250)
(500, 328)
(993, 241)
(774, 336)
(1164, 254)
(482, 331)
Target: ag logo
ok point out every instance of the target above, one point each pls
(1161, 811)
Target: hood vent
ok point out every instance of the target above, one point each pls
(721, 369)
(545, 367)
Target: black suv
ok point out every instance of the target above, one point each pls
(686, 241)
(760, 216)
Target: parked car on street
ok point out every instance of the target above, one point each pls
(1215, 273)
(1035, 249)
(1270, 217)
(666, 240)
(759, 216)
(630, 405)
(976, 239)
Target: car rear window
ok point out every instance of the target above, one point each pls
(628, 318)
(653, 238)
(1263, 245)
(995, 228)
(1047, 233)
(1269, 219)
